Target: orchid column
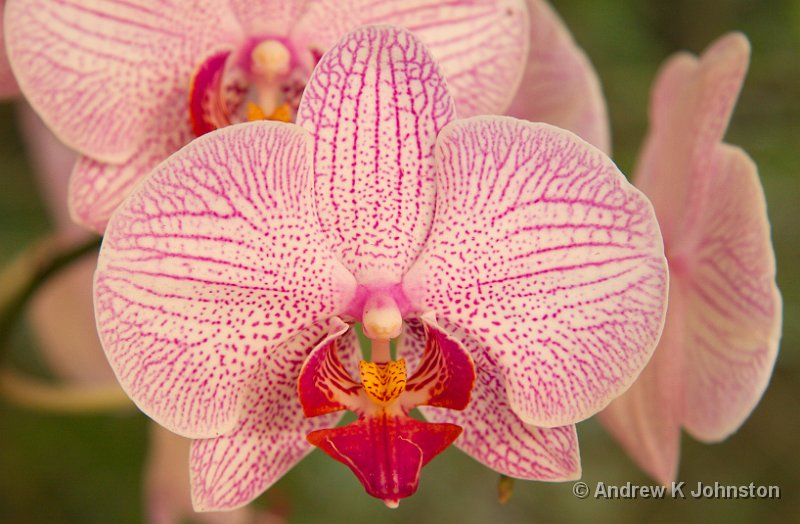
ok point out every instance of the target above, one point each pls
(513, 259)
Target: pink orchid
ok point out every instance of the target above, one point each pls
(511, 259)
(723, 325)
(128, 83)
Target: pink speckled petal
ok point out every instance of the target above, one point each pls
(733, 306)
(543, 253)
(267, 17)
(8, 85)
(99, 71)
(559, 85)
(168, 497)
(210, 264)
(97, 188)
(270, 438)
(646, 419)
(692, 103)
(493, 434)
(375, 103)
(480, 45)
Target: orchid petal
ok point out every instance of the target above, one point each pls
(559, 85)
(231, 470)
(96, 188)
(97, 71)
(375, 103)
(214, 260)
(733, 306)
(646, 419)
(8, 85)
(267, 17)
(560, 269)
(692, 104)
(493, 434)
(480, 45)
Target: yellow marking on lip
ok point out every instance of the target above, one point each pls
(383, 382)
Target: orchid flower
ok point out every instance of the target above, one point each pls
(723, 325)
(128, 83)
(511, 260)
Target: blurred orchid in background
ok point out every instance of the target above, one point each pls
(128, 83)
(254, 248)
(8, 85)
(723, 326)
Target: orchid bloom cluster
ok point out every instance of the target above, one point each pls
(272, 177)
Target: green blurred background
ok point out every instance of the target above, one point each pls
(88, 469)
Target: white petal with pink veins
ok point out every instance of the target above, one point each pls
(692, 104)
(375, 103)
(480, 45)
(542, 252)
(8, 85)
(733, 307)
(96, 188)
(98, 71)
(267, 17)
(559, 85)
(231, 470)
(495, 436)
(210, 264)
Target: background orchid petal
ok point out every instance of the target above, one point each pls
(646, 419)
(692, 104)
(96, 188)
(98, 71)
(230, 471)
(480, 45)
(267, 17)
(493, 434)
(542, 252)
(8, 85)
(375, 103)
(733, 306)
(559, 85)
(211, 263)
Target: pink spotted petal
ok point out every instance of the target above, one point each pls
(375, 103)
(267, 17)
(97, 188)
(210, 264)
(559, 85)
(692, 103)
(386, 452)
(493, 434)
(543, 253)
(230, 471)
(480, 45)
(99, 71)
(733, 306)
(646, 419)
(8, 85)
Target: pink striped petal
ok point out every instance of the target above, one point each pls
(559, 85)
(480, 45)
(8, 85)
(646, 419)
(543, 253)
(214, 260)
(230, 471)
(493, 434)
(99, 71)
(375, 103)
(96, 188)
(733, 306)
(692, 103)
(267, 17)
